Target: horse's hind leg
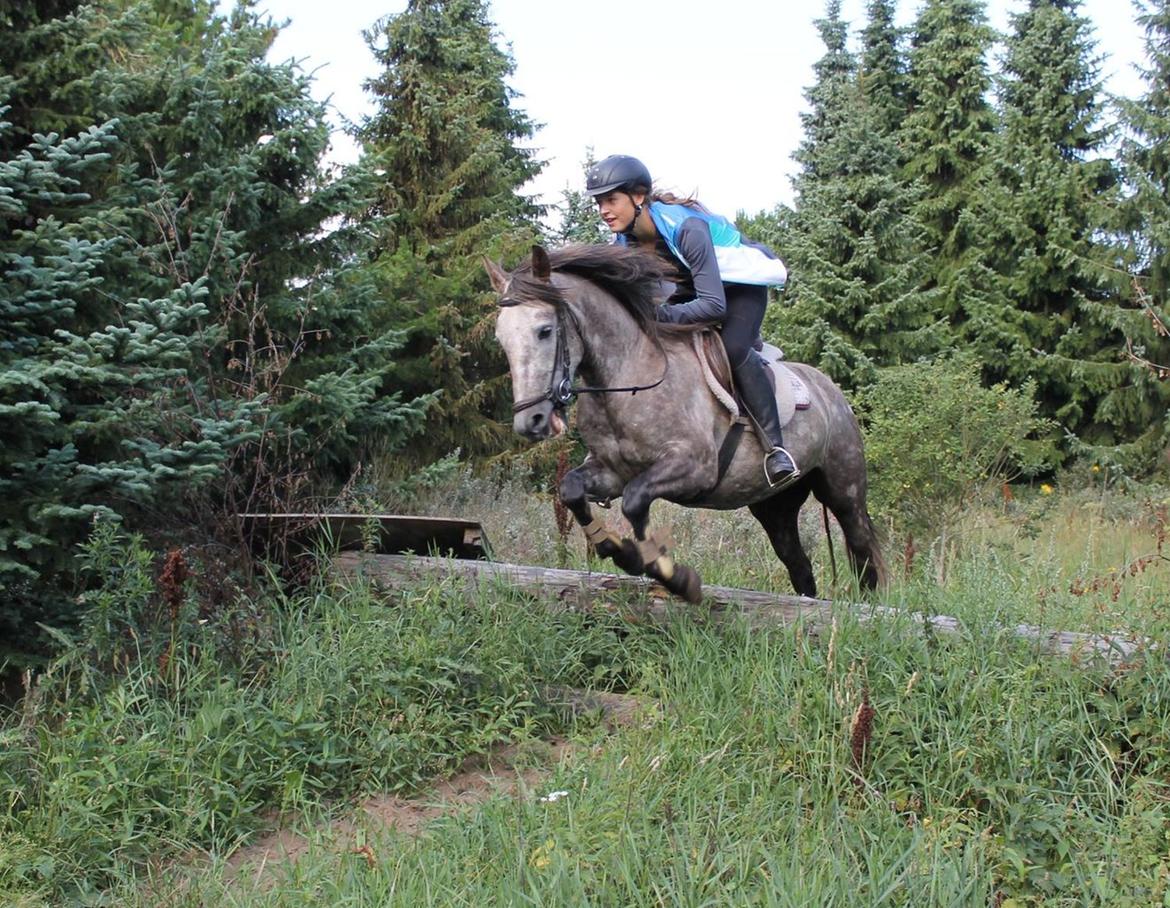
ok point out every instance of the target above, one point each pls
(847, 502)
(778, 515)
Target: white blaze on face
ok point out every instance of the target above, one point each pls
(528, 334)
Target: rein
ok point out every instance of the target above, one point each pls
(560, 384)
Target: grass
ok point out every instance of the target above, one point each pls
(990, 775)
(988, 772)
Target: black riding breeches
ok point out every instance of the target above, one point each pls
(741, 325)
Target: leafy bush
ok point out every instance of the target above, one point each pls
(935, 438)
(146, 738)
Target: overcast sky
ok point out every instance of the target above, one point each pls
(706, 92)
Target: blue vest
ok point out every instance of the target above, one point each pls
(739, 262)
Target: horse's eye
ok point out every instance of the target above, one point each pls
(545, 332)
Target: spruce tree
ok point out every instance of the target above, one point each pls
(1141, 313)
(445, 134)
(577, 214)
(817, 325)
(853, 245)
(180, 336)
(946, 137)
(828, 99)
(1043, 214)
(881, 76)
(81, 409)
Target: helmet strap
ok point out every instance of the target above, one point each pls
(629, 231)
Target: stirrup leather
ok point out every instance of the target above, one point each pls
(786, 480)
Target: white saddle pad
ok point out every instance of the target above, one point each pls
(791, 391)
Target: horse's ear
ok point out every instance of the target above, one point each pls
(540, 266)
(497, 275)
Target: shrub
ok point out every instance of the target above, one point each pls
(936, 438)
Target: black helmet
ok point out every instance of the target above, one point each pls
(618, 171)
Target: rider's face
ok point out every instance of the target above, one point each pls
(617, 209)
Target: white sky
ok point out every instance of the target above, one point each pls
(716, 112)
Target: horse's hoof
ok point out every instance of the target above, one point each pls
(629, 559)
(683, 581)
(687, 583)
(608, 548)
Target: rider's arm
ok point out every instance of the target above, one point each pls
(709, 305)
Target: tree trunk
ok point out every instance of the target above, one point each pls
(640, 599)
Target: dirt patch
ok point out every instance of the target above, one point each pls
(508, 770)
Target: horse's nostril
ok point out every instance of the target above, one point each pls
(537, 419)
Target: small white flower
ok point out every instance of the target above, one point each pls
(554, 796)
(264, 139)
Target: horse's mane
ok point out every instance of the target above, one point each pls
(630, 276)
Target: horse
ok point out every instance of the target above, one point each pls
(653, 427)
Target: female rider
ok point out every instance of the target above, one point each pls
(722, 278)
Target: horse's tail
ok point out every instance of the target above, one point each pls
(865, 553)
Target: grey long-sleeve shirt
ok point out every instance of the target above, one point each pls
(699, 285)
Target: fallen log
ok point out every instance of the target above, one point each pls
(642, 599)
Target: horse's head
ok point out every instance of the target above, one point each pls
(531, 329)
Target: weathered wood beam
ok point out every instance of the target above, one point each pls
(642, 599)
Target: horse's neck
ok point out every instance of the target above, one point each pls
(614, 346)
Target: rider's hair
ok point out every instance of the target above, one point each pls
(670, 198)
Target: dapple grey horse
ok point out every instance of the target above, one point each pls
(652, 425)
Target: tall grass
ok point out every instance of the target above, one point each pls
(110, 768)
(882, 765)
(1074, 560)
(990, 774)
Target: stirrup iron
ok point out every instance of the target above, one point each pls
(785, 481)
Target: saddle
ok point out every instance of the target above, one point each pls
(790, 390)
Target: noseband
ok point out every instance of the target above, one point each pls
(560, 388)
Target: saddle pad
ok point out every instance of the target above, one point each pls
(791, 391)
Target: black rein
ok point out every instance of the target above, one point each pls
(561, 391)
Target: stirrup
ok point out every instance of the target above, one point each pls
(784, 481)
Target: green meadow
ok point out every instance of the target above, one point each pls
(876, 764)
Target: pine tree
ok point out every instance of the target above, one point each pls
(578, 220)
(177, 330)
(946, 137)
(853, 245)
(1042, 215)
(1141, 314)
(445, 134)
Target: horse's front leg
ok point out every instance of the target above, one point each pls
(593, 480)
(676, 476)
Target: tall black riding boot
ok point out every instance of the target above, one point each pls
(779, 466)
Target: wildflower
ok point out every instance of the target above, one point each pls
(541, 856)
(554, 796)
(368, 853)
(1096, 468)
(1045, 489)
(861, 730)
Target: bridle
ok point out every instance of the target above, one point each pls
(560, 390)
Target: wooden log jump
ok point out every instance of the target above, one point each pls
(643, 599)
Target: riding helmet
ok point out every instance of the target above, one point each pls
(618, 171)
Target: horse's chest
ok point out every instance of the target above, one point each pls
(628, 445)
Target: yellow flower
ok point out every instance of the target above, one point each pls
(1045, 489)
(1096, 468)
(542, 855)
